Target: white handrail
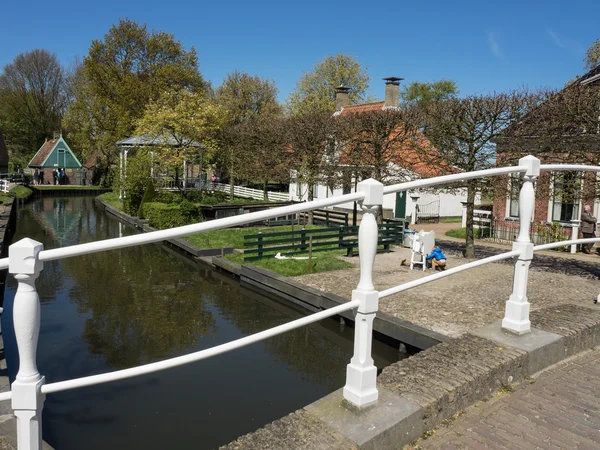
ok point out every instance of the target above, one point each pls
(574, 167)
(196, 356)
(448, 272)
(454, 178)
(563, 243)
(162, 235)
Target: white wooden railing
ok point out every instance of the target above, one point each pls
(26, 259)
(238, 191)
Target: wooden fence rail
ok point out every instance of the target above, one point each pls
(289, 243)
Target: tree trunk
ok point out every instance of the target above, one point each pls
(231, 185)
(311, 194)
(470, 241)
(266, 190)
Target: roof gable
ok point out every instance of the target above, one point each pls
(49, 155)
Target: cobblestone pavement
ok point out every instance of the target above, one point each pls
(587, 266)
(560, 409)
(469, 300)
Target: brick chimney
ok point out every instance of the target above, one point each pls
(392, 92)
(341, 97)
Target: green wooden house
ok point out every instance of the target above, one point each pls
(56, 154)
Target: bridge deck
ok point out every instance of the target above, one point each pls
(558, 410)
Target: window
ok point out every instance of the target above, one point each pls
(514, 188)
(566, 187)
(316, 191)
(299, 189)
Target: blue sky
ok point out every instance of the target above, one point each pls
(483, 46)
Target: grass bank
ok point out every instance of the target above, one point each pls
(462, 233)
(112, 199)
(234, 237)
(58, 187)
(321, 262)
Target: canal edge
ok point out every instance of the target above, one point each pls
(429, 389)
(386, 327)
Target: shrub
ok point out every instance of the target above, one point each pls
(134, 182)
(161, 215)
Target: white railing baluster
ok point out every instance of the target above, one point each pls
(361, 373)
(27, 399)
(516, 317)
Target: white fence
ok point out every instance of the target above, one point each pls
(26, 260)
(238, 191)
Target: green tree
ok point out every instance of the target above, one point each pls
(315, 91)
(32, 102)
(592, 56)
(178, 120)
(120, 75)
(246, 98)
(418, 92)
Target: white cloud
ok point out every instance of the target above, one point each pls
(565, 42)
(494, 46)
(556, 38)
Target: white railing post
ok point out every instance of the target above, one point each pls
(574, 234)
(463, 219)
(361, 373)
(415, 211)
(516, 318)
(27, 399)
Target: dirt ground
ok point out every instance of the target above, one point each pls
(470, 299)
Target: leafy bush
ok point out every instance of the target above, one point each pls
(161, 215)
(134, 182)
(190, 211)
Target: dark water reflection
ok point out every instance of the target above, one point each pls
(122, 308)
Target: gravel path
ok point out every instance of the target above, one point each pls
(471, 299)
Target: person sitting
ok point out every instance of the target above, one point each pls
(437, 259)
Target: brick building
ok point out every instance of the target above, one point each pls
(560, 196)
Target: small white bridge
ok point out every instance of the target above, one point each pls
(26, 261)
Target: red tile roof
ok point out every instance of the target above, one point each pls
(373, 106)
(43, 153)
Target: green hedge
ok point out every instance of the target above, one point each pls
(161, 215)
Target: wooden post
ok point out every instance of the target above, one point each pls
(260, 244)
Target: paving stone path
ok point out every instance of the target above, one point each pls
(558, 410)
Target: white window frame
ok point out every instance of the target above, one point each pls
(552, 196)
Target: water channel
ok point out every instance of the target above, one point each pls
(123, 308)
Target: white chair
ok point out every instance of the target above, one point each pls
(423, 245)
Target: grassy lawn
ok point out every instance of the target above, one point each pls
(20, 191)
(462, 233)
(112, 199)
(451, 220)
(234, 237)
(322, 262)
(76, 188)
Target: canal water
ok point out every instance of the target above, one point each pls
(123, 308)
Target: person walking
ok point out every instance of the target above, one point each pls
(83, 176)
(42, 176)
(588, 228)
(55, 177)
(36, 177)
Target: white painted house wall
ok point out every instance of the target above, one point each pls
(450, 202)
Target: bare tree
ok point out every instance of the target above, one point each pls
(32, 95)
(312, 139)
(261, 150)
(464, 130)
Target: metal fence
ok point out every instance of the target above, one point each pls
(26, 261)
